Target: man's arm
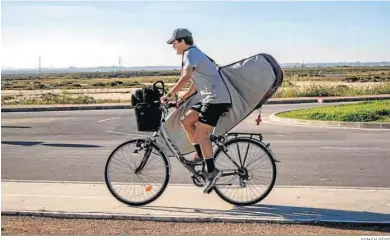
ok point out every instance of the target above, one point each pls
(184, 79)
(190, 91)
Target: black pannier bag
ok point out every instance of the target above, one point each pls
(147, 107)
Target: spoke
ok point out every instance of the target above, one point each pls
(255, 160)
(252, 152)
(119, 190)
(246, 190)
(246, 154)
(229, 187)
(129, 185)
(256, 189)
(257, 166)
(121, 168)
(133, 192)
(128, 154)
(150, 165)
(258, 184)
(120, 173)
(122, 152)
(123, 164)
(259, 181)
(231, 159)
(239, 155)
(250, 190)
(126, 188)
(144, 185)
(141, 188)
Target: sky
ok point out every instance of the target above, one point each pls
(97, 33)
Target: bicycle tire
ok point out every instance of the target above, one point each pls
(273, 166)
(164, 185)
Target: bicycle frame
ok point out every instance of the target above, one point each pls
(189, 165)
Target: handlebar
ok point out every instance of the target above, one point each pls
(171, 104)
(168, 105)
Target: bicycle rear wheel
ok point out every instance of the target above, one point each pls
(253, 176)
(137, 172)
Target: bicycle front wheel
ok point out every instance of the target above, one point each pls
(137, 172)
(249, 171)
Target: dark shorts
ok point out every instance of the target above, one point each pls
(210, 113)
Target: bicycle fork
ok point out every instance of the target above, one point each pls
(145, 158)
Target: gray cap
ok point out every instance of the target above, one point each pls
(179, 33)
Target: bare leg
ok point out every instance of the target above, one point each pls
(202, 134)
(188, 122)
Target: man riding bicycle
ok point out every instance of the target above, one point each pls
(200, 120)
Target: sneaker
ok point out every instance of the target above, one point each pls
(196, 162)
(197, 158)
(212, 179)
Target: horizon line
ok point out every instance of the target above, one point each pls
(178, 66)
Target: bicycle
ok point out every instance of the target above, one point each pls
(226, 144)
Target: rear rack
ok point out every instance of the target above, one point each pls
(236, 134)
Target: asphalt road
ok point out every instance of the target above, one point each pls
(74, 146)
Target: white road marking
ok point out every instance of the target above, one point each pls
(314, 126)
(121, 133)
(341, 148)
(108, 119)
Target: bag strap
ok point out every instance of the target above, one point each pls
(182, 58)
(211, 60)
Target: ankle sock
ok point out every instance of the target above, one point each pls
(210, 164)
(198, 150)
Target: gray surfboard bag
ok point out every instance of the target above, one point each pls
(250, 81)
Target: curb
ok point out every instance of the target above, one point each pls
(352, 99)
(291, 101)
(109, 216)
(64, 108)
(274, 118)
(128, 106)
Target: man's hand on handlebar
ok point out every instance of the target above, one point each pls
(171, 104)
(164, 99)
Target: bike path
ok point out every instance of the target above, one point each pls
(187, 203)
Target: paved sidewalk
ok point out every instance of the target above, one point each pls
(187, 203)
